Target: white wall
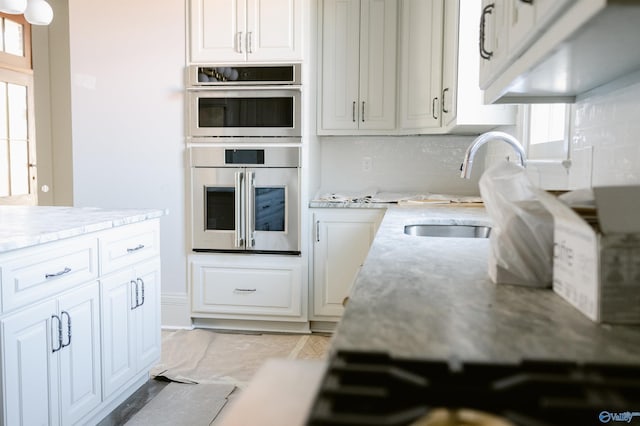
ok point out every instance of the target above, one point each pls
(406, 163)
(126, 75)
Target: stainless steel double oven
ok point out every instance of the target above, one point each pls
(244, 138)
(246, 199)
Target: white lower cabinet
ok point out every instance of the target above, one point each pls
(130, 323)
(247, 287)
(75, 341)
(51, 360)
(342, 239)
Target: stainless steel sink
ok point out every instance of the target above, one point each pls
(450, 231)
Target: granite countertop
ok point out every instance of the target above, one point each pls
(25, 226)
(431, 298)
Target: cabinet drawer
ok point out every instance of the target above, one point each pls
(126, 245)
(35, 273)
(259, 290)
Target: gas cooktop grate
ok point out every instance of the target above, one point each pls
(375, 389)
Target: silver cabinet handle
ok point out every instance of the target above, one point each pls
(239, 42)
(249, 46)
(363, 111)
(141, 281)
(246, 290)
(66, 270)
(444, 109)
(239, 210)
(488, 9)
(59, 330)
(317, 231)
(353, 111)
(62, 314)
(136, 248)
(134, 287)
(433, 108)
(250, 212)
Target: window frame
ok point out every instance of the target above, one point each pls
(8, 60)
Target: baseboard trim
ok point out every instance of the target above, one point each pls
(324, 326)
(252, 325)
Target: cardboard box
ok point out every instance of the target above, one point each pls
(596, 267)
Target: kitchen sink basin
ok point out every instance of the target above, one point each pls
(450, 231)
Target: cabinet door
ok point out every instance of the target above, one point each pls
(520, 22)
(450, 61)
(377, 100)
(342, 243)
(80, 377)
(147, 314)
(495, 40)
(274, 30)
(421, 64)
(30, 369)
(217, 30)
(340, 55)
(117, 303)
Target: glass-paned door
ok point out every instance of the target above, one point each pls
(17, 144)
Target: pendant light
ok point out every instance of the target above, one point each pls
(13, 7)
(38, 12)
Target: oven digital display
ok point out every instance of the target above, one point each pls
(244, 156)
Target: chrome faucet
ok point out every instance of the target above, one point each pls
(467, 163)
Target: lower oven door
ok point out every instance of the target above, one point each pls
(273, 210)
(246, 209)
(218, 208)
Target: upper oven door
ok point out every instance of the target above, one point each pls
(241, 112)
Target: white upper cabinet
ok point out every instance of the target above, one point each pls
(358, 66)
(245, 30)
(553, 50)
(437, 80)
(421, 64)
(463, 108)
(439, 70)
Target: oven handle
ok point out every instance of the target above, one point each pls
(239, 209)
(250, 212)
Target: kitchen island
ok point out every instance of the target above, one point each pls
(79, 310)
(24, 226)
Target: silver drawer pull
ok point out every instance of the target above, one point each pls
(136, 248)
(57, 274)
(245, 290)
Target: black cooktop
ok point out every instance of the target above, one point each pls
(377, 389)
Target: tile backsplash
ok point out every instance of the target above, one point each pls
(606, 128)
(396, 163)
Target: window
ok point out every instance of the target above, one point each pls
(548, 131)
(17, 145)
(545, 130)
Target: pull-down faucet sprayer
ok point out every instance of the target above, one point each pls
(481, 140)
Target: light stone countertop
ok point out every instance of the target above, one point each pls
(347, 205)
(25, 226)
(431, 298)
